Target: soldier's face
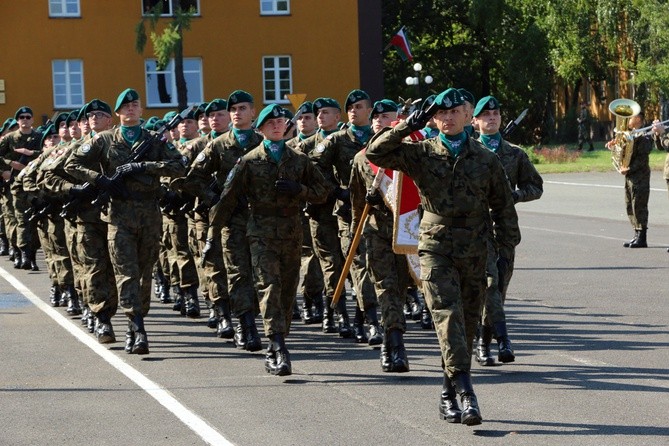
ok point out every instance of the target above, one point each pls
(203, 123)
(273, 129)
(635, 122)
(219, 120)
(242, 115)
(328, 118)
(358, 112)
(188, 128)
(63, 131)
(306, 123)
(51, 141)
(75, 131)
(451, 122)
(99, 121)
(84, 126)
(488, 122)
(381, 120)
(130, 112)
(25, 121)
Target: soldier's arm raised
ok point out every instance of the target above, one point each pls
(387, 149)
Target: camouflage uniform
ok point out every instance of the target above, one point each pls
(273, 228)
(458, 196)
(637, 183)
(134, 223)
(584, 128)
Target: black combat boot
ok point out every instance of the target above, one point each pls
(636, 237)
(179, 300)
(279, 364)
(84, 315)
(55, 295)
(505, 350)
(17, 258)
(415, 305)
(224, 327)
(25, 258)
(4, 245)
(33, 260)
(306, 314)
(483, 355)
(104, 331)
(129, 338)
(344, 324)
(297, 315)
(318, 308)
(426, 319)
(192, 304)
(212, 321)
(328, 317)
(246, 336)
(398, 354)
(11, 253)
(386, 365)
(359, 326)
(141, 344)
(448, 403)
(375, 333)
(640, 242)
(91, 323)
(73, 307)
(471, 414)
(162, 287)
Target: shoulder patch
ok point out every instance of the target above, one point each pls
(320, 148)
(85, 148)
(184, 160)
(233, 172)
(200, 157)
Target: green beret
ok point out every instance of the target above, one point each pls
(427, 102)
(81, 113)
(467, 95)
(237, 97)
(324, 103)
(169, 115)
(216, 105)
(355, 96)
(383, 106)
(448, 99)
(127, 95)
(150, 123)
(8, 124)
(306, 107)
(199, 110)
(486, 103)
(22, 111)
(287, 113)
(192, 113)
(272, 111)
(98, 105)
(62, 117)
(50, 130)
(72, 116)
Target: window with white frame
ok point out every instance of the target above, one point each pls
(277, 76)
(274, 7)
(64, 8)
(161, 86)
(68, 83)
(166, 6)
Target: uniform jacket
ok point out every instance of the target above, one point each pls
(522, 175)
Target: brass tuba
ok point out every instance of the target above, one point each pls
(621, 152)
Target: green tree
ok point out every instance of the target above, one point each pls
(167, 45)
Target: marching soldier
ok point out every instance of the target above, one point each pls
(275, 181)
(583, 121)
(458, 180)
(526, 185)
(133, 213)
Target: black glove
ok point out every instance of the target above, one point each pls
(419, 119)
(288, 187)
(131, 169)
(374, 198)
(80, 191)
(344, 212)
(115, 188)
(516, 196)
(208, 245)
(342, 194)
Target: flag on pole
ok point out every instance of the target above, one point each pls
(401, 44)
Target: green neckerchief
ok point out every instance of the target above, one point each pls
(453, 142)
(214, 134)
(131, 134)
(362, 133)
(302, 136)
(243, 136)
(493, 142)
(203, 133)
(274, 148)
(430, 132)
(325, 133)
(183, 140)
(469, 130)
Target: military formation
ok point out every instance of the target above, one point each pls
(221, 209)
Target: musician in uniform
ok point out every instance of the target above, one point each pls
(462, 185)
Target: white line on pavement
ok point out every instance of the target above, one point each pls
(611, 186)
(208, 433)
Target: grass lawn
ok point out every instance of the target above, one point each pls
(598, 160)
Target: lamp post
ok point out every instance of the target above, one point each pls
(416, 80)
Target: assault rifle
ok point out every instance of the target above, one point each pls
(102, 197)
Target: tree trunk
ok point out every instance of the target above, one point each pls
(180, 79)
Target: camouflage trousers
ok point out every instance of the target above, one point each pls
(495, 296)
(163, 258)
(637, 191)
(8, 216)
(327, 248)
(213, 271)
(454, 289)
(194, 233)
(179, 255)
(43, 234)
(134, 237)
(362, 282)
(72, 248)
(60, 255)
(26, 233)
(237, 259)
(277, 267)
(390, 274)
(99, 289)
(312, 282)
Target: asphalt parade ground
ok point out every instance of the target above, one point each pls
(588, 320)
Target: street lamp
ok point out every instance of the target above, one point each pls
(416, 80)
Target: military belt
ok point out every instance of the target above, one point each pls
(271, 211)
(455, 222)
